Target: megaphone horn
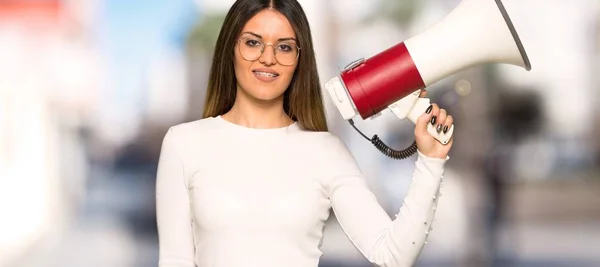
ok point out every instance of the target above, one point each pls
(475, 32)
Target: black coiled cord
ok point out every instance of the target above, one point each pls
(385, 149)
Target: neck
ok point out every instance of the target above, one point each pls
(255, 113)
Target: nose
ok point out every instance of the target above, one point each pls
(268, 56)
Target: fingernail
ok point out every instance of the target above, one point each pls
(446, 129)
(433, 120)
(429, 109)
(438, 128)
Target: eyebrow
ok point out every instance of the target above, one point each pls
(279, 40)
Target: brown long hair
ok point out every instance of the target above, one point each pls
(303, 100)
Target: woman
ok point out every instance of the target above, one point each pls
(253, 182)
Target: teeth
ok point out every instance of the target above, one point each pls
(266, 74)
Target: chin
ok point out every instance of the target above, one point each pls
(266, 94)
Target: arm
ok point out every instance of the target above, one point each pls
(383, 241)
(176, 246)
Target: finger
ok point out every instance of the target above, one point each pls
(423, 120)
(435, 112)
(441, 120)
(423, 93)
(448, 123)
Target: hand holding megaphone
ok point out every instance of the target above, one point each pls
(476, 32)
(414, 105)
(438, 119)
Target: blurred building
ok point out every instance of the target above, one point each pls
(46, 61)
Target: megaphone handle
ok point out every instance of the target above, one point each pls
(444, 138)
(419, 108)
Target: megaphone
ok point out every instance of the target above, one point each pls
(475, 32)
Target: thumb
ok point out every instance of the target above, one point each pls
(423, 120)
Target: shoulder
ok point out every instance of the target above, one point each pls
(327, 140)
(326, 146)
(193, 129)
(327, 154)
(189, 134)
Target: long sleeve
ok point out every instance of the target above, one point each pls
(383, 241)
(176, 246)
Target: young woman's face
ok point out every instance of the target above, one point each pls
(266, 76)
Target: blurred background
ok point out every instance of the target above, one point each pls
(88, 89)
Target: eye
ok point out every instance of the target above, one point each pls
(285, 47)
(252, 42)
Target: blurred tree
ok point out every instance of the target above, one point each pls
(203, 37)
(200, 46)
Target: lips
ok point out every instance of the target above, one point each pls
(266, 73)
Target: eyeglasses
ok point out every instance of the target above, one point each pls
(286, 53)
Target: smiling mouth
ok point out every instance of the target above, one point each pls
(266, 74)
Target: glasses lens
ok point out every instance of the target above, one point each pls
(286, 53)
(251, 48)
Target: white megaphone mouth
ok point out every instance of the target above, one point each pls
(515, 35)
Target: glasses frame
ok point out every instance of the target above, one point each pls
(262, 51)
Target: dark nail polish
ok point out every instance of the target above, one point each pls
(433, 120)
(438, 128)
(446, 129)
(429, 109)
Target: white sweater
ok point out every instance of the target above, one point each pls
(232, 196)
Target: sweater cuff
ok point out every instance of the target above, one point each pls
(427, 158)
(432, 167)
